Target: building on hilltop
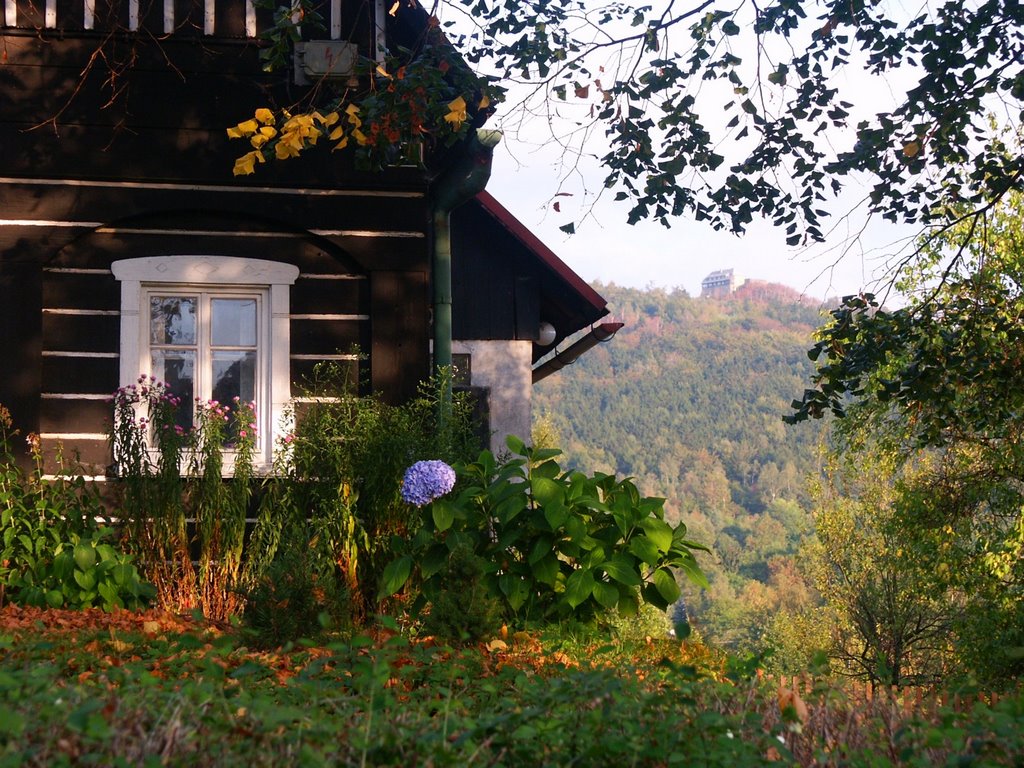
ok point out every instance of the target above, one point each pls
(719, 283)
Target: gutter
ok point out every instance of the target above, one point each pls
(570, 355)
(463, 181)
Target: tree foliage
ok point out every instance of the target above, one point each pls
(730, 111)
(777, 66)
(687, 400)
(934, 387)
(947, 363)
(891, 619)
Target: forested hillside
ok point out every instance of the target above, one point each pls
(689, 398)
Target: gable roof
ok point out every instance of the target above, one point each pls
(544, 255)
(506, 281)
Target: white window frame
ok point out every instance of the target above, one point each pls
(228, 275)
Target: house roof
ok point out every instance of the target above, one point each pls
(492, 248)
(544, 254)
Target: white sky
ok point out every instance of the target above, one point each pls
(608, 249)
(527, 176)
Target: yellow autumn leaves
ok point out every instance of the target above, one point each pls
(295, 134)
(299, 131)
(458, 111)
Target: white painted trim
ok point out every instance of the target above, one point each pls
(133, 15)
(211, 187)
(89, 12)
(48, 223)
(335, 19)
(311, 276)
(329, 317)
(250, 19)
(260, 233)
(319, 399)
(380, 20)
(168, 16)
(219, 272)
(75, 396)
(50, 18)
(364, 233)
(76, 271)
(196, 232)
(12, 13)
(87, 478)
(73, 436)
(61, 353)
(279, 367)
(209, 17)
(81, 312)
(204, 270)
(324, 357)
(100, 229)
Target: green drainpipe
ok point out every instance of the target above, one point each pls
(463, 181)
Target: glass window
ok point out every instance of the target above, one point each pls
(212, 327)
(205, 345)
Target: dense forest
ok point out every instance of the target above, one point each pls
(688, 398)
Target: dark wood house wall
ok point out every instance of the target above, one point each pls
(495, 291)
(85, 183)
(505, 282)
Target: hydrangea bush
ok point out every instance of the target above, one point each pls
(554, 543)
(426, 481)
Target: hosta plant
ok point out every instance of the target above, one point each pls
(553, 543)
(87, 571)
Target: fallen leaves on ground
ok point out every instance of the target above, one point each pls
(15, 619)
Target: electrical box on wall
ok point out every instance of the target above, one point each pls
(325, 60)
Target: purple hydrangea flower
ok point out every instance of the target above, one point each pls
(427, 480)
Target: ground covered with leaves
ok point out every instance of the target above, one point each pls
(149, 689)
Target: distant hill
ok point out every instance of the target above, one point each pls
(688, 398)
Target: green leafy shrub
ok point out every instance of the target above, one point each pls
(291, 599)
(88, 572)
(335, 490)
(54, 549)
(463, 609)
(650, 622)
(553, 543)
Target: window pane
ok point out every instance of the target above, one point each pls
(177, 368)
(234, 322)
(234, 375)
(172, 320)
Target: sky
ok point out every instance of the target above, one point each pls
(529, 170)
(607, 249)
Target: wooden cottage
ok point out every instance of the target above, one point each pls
(127, 246)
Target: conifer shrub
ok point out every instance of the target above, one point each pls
(463, 610)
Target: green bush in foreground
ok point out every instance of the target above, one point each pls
(193, 700)
(54, 549)
(552, 544)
